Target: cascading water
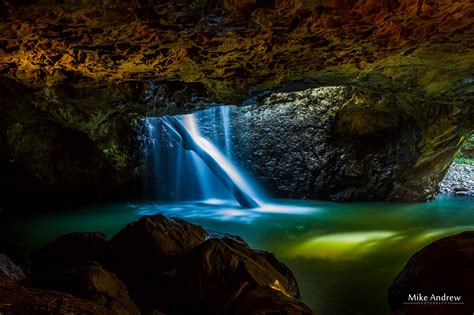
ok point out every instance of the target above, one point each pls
(184, 165)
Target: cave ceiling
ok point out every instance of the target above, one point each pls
(234, 49)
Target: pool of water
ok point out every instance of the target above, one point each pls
(344, 256)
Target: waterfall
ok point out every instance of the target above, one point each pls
(185, 165)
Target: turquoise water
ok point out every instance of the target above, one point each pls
(344, 256)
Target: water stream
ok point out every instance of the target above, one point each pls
(204, 171)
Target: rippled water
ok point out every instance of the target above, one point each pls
(343, 255)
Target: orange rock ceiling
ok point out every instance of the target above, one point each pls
(239, 48)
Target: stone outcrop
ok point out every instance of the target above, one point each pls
(176, 267)
(344, 144)
(158, 264)
(444, 267)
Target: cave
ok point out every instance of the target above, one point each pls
(236, 157)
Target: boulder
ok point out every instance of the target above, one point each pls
(70, 250)
(168, 265)
(90, 281)
(282, 269)
(145, 252)
(219, 271)
(175, 267)
(17, 299)
(266, 301)
(444, 267)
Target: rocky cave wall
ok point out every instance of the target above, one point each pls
(344, 144)
(77, 77)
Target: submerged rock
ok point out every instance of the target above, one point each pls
(443, 268)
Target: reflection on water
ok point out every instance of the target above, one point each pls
(343, 255)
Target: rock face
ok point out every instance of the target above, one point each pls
(344, 144)
(443, 267)
(168, 265)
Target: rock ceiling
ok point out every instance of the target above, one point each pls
(237, 48)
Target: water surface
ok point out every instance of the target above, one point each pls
(344, 256)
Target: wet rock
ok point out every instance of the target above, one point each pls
(444, 267)
(10, 269)
(67, 251)
(282, 269)
(89, 281)
(176, 267)
(266, 300)
(167, 265)
(345, 144)
(17, 299)
(219, 271)
(146, 252)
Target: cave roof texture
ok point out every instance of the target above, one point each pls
(236, 49)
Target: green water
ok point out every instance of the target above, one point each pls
(344, 256)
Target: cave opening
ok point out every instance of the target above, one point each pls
(459, 178)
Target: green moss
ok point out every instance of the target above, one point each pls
(117, 157)
(466, 155)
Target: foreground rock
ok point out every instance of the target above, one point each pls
(176, 267)
(445, 267)
(167, 265)
(98, 292)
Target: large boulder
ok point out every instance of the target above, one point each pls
(266, 301)
(161, 265)
(344, 144)
(90, 281)
(443, 268)
(92, 295)
(219, 271)
(144, 251)
(176, 267)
